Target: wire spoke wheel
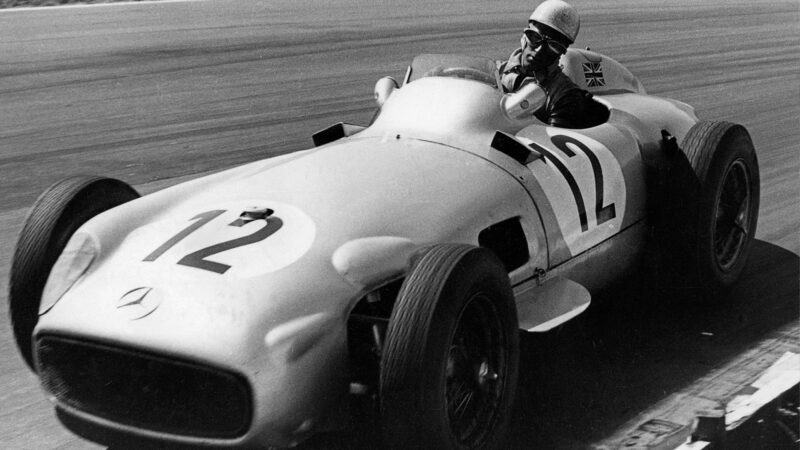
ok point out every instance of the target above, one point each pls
(476, 371)
(714, 212)
(451, 357)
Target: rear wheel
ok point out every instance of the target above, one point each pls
(449, 366)
(54, 217)
(718, 205)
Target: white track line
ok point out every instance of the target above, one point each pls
(779, 378)
(90, 5)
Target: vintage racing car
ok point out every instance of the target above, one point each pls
(394, 262)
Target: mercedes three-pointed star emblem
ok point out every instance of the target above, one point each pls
(138, 303)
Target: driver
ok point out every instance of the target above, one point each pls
(552, 27)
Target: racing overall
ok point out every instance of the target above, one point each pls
(566, 103)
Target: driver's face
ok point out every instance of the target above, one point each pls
(540, 53)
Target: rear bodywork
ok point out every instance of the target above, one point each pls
(243, 282)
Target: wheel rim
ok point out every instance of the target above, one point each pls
(732, 222)
(476, 371)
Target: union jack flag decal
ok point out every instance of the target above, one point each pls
(593, 72)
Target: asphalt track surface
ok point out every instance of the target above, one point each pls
(157, 93)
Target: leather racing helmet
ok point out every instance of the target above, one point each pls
(560, 16)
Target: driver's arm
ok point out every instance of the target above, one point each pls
(510, 76)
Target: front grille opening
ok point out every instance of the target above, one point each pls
(145, 390)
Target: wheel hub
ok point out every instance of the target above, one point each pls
(732, 224)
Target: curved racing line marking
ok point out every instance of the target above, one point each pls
(602, 214)
(573, 185)
(571, 182)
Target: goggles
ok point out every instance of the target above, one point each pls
(534, 39)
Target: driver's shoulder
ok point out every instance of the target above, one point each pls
(562, 85)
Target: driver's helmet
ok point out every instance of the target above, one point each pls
(560, 16)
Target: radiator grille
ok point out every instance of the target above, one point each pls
(145, 390)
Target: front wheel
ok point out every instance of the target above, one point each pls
(54, 217)
(450, 361)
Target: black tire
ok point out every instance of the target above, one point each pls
(717, 206)
(451, 355)
(54, 217)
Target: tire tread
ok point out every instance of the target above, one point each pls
(419, 289)
(39, 244)
(438, 281)
(708, 147)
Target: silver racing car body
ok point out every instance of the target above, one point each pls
(220, 311)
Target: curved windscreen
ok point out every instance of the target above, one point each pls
(475, 68)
